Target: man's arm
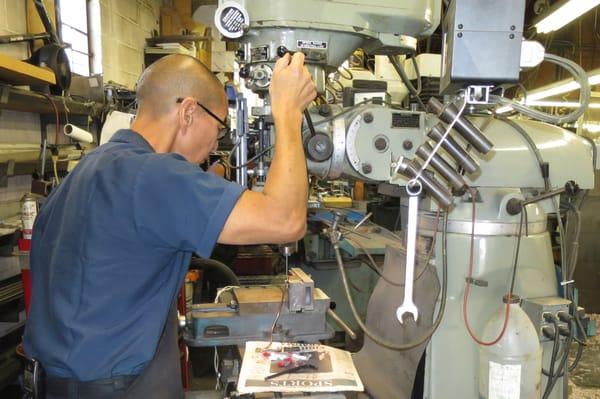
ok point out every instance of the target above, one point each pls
(278, 214)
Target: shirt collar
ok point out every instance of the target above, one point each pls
(131, 137)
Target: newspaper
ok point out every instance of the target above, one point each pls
(323, 369)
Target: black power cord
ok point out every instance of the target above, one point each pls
(382, 341)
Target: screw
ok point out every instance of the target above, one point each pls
(407, 145)
(512, 35)
(324, 110)
(367, 168)
(460, 26)
(368, 117)
(320, 147)
(459, 34)
(512, 27)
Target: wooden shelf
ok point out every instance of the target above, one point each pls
(18, 72)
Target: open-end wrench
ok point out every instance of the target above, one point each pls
(408, 305)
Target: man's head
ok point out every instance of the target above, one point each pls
(176, 96)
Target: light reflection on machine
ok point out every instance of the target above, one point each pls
(471, 168)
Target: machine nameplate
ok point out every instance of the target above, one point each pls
(316, 44)
(259, 54)
(400, 120)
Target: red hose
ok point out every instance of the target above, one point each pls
(468, 289)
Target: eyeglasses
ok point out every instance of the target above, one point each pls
(222, 131)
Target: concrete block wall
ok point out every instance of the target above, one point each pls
(15, 127)
(125, 26)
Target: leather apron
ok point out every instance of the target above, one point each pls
(161, 379)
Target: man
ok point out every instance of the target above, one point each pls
(112, 243)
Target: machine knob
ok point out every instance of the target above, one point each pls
(282, 50)
(319, 147)
(244, 72)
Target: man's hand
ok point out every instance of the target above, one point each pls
(292, 88)
(278, 213)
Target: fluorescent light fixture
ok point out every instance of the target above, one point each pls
(564, 14)
(590, 126)
(562, 104)
(563, 86)
(538, 103)
(555, 89)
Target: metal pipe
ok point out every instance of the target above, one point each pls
(6, 39)
(454, 149)
(43, 13)
(95, 36)
(241, 174)
(411, 169)
(472, 134)
(439, 164)
(44, 148)
(341, 323)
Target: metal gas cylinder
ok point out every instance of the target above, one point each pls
(511, 368)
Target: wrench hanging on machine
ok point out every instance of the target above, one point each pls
(413, 188)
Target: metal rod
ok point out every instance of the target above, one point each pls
(454, 149)
(241, 153)
(439, 164)
(6, 39)
(472, 134)
(342, 324)
(411, 169)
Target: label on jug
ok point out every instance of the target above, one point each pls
(505, 381)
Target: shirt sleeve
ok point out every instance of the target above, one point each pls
(178, 205)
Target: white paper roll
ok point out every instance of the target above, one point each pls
(78, 134)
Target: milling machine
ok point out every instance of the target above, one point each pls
(484, 184)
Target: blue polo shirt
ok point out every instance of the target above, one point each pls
(110, 250)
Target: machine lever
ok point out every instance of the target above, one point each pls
(514, 206)
(281, 51)
(342, 324)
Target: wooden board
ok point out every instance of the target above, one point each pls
(17, 72)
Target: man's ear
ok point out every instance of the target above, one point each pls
(186, 117)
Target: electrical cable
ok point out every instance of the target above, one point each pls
(349, 76)
(555, 344)
(427, 335)
(400, 70)
(352, 108)
(277, 316)
(56, 134)
(376, 268)
(470, 277)
(561, 366)
(254, 158)
(579, 75)
(57, 124)
(532, 146)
